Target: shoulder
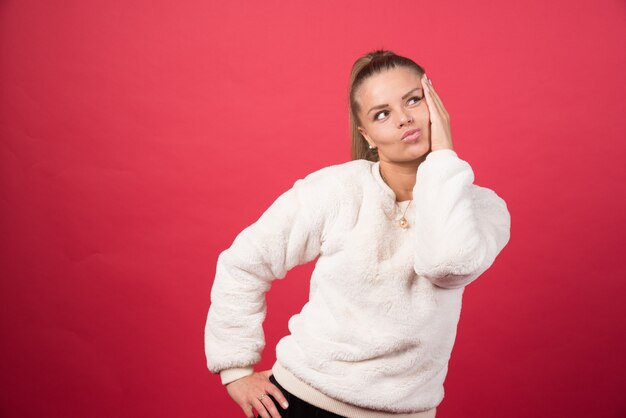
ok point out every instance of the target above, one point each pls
(340, 172)
(333, 186)
(345, 168)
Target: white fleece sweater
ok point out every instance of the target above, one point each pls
(380, 323)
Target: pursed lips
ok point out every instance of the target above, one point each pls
(411, 132)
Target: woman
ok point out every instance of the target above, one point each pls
(399, 231)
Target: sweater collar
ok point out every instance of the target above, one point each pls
(386, 192)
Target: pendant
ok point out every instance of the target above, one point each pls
(404, 223)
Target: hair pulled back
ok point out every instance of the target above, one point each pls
(370, 64)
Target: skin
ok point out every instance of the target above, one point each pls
(383, 127)
(247, 390)
(398, 162)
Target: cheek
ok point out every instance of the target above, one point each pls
(421, 112)
(385, 133)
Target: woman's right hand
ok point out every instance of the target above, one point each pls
(246, 391)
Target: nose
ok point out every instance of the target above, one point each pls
(405, 118)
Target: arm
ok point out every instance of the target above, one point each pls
(459, 227)
(288, 233)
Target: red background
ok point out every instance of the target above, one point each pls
(139, 137)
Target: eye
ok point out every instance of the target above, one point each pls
(417, 98)
(379, 113)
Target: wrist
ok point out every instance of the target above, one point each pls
(441, 147)
(235, 373)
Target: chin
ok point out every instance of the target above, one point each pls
(416, 156)
(420, 150)
(413, 152)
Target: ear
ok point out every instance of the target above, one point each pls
(366, 136)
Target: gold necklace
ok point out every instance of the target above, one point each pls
(403, 222)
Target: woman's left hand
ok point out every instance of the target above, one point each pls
(440, 136)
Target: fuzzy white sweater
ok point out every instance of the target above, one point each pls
(384, 304)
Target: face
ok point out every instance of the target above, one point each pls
(391, 104)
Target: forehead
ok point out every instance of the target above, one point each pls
(388, 85)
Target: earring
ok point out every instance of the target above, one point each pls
(371, 147)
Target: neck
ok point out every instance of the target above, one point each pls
(400, 177)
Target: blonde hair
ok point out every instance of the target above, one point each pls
(372, 63)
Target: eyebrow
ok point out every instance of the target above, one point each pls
(385, 105)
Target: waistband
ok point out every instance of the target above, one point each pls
(313, 396)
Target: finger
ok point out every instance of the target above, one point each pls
(260, 408)
(248, 411)
(278, 395)
(271, 407)
(432, 107)
(440, 114)
(436, 98)
(432, 95)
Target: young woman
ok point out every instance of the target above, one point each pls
(399, 230)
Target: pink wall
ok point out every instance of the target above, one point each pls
(139, 137)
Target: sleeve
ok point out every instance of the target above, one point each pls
(289, 233)
(460, 227)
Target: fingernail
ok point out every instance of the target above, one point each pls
(285, 405)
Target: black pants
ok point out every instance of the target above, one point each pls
(297, 407)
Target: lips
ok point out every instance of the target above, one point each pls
(412, 136)
(411, 132)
